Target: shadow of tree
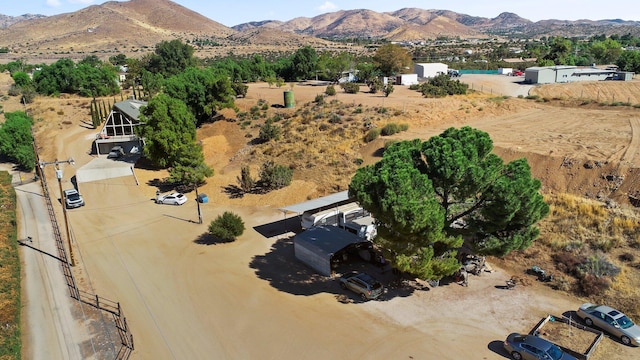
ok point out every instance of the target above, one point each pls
(379, 152)
(233, 191)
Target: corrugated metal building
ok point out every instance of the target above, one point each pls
(565, 74)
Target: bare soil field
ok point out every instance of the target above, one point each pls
(187, 297)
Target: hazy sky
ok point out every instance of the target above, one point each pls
(234, 12)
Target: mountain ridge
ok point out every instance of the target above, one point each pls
(140, 24)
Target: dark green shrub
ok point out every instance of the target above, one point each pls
(390, 129)
(388, 90)
(227, 227)
(335, 119)
(273, 176)
(375, 85)
(330, 91)
(319, 99)
(240, 89)
(245, 181)
(442, 85)
(350, 88)
(269, 131)
(372, 135)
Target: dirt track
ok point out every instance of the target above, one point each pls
(185, 298)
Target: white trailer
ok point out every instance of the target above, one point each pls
(505, 71)
(332, 216)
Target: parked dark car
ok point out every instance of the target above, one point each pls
(362, 283)
(529, 347)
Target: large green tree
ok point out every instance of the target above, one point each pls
(190, 167)
(392, 59)
(170, 58)
(607, 51)
(202, 90)
(560, 52)
(16, 142)
(304, 63)
(333, 65)
(629, 61)
(425, 195)
(169, 129)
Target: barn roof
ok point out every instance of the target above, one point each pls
(131, 108)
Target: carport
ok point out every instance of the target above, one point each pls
(319, 204)
(317, 246)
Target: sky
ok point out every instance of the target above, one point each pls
(234, 12)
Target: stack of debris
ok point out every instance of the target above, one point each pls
(471, 264)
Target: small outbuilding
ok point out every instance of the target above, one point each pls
(430, 70)
(317, 246)
(407, 79)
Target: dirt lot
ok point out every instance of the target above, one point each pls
(186, 297)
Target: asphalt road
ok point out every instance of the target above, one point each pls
(55, 326)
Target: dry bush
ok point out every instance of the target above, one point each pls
(568, 262)
(561, 283)
(590, 285)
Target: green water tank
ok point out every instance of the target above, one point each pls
(288, 99)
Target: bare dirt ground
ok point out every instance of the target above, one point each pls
(187, 297)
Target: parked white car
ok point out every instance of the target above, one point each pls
(175, 198)
(73, 199)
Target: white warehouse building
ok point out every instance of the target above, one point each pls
(429, 70)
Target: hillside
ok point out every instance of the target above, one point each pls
(112, 25)
(134, 27)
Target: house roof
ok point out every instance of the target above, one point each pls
(131, 108)
(326, 240)
(318, 203)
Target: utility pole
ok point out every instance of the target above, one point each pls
(198, 203)
(57, 163)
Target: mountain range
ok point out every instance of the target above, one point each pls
(116, 26)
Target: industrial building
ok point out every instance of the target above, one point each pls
(565, 74)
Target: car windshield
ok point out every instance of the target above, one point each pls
(73, 196)
(179, 196)
(555, 352)
(624, 322)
